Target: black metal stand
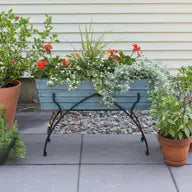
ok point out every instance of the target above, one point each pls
(53, 121)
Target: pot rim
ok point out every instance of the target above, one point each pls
(175, 141)
(17, 84)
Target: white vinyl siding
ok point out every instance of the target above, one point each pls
(163, 28)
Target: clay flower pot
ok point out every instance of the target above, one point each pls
(9, 97)
(175, 152)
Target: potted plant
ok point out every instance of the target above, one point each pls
(10, 139)
(184, 77)
(173, 112)
(16, 53)
(95, 69)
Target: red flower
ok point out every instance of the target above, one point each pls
(48, 48)
(112, 51)
(136, 47)
(12, 61)
(41, 64)
(65, 62)
(16, 17)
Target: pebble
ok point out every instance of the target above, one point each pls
(104, 122)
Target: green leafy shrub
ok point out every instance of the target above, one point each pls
(173, 112)
(184, 78)
(20, 45)
(10, 137)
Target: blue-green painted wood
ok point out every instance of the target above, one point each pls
(83, 93)
(48, 99)
(93, 106)
(68, 98)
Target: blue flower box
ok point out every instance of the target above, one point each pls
(67, 99)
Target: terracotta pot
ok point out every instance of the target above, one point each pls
(190, 146)
(9, 97)
(175, 152)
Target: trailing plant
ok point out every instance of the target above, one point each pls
(173, 112)
(20, 45)
(120, 80)
(10, 138)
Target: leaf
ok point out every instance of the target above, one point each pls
(190, 115)
(187, 133)
(186, 118)
(171, 121)
(180, 135)
(181, 127)
(172, 133)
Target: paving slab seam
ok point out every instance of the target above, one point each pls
(173, 179)
(60, 164)
(80, 159)
(122, 164)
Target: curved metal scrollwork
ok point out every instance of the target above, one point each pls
(54, 121)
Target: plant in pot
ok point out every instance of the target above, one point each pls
(95, 69)
(173, 112)
(10, 139)
(184, 78)
(16, 55)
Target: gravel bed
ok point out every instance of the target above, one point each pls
(103, 122)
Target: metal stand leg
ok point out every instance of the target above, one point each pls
(135, 119)
(54, 122)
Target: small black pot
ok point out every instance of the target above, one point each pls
(4, 153)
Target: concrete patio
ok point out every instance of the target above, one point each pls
(89, 163)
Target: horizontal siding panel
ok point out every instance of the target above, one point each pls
(134, 37)
(95, 2)
(175, 63)
(13, 2)
(123, 28)
(172, 46)
(112, 18)
(110, 8)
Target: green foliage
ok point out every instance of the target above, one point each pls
(16, 51)
(119, 80)
(184, 78)
(10, 137)
(173, 113)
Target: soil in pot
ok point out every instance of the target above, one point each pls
(9, 97)
(175, 152)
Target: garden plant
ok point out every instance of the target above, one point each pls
(10, 139)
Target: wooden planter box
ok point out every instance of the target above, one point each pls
(67, 99)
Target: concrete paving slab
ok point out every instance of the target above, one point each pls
(119, 178)
(64, 149)
(120, 149)
(33, 123)
(189, 159)
(183, 177)
(38, 178)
